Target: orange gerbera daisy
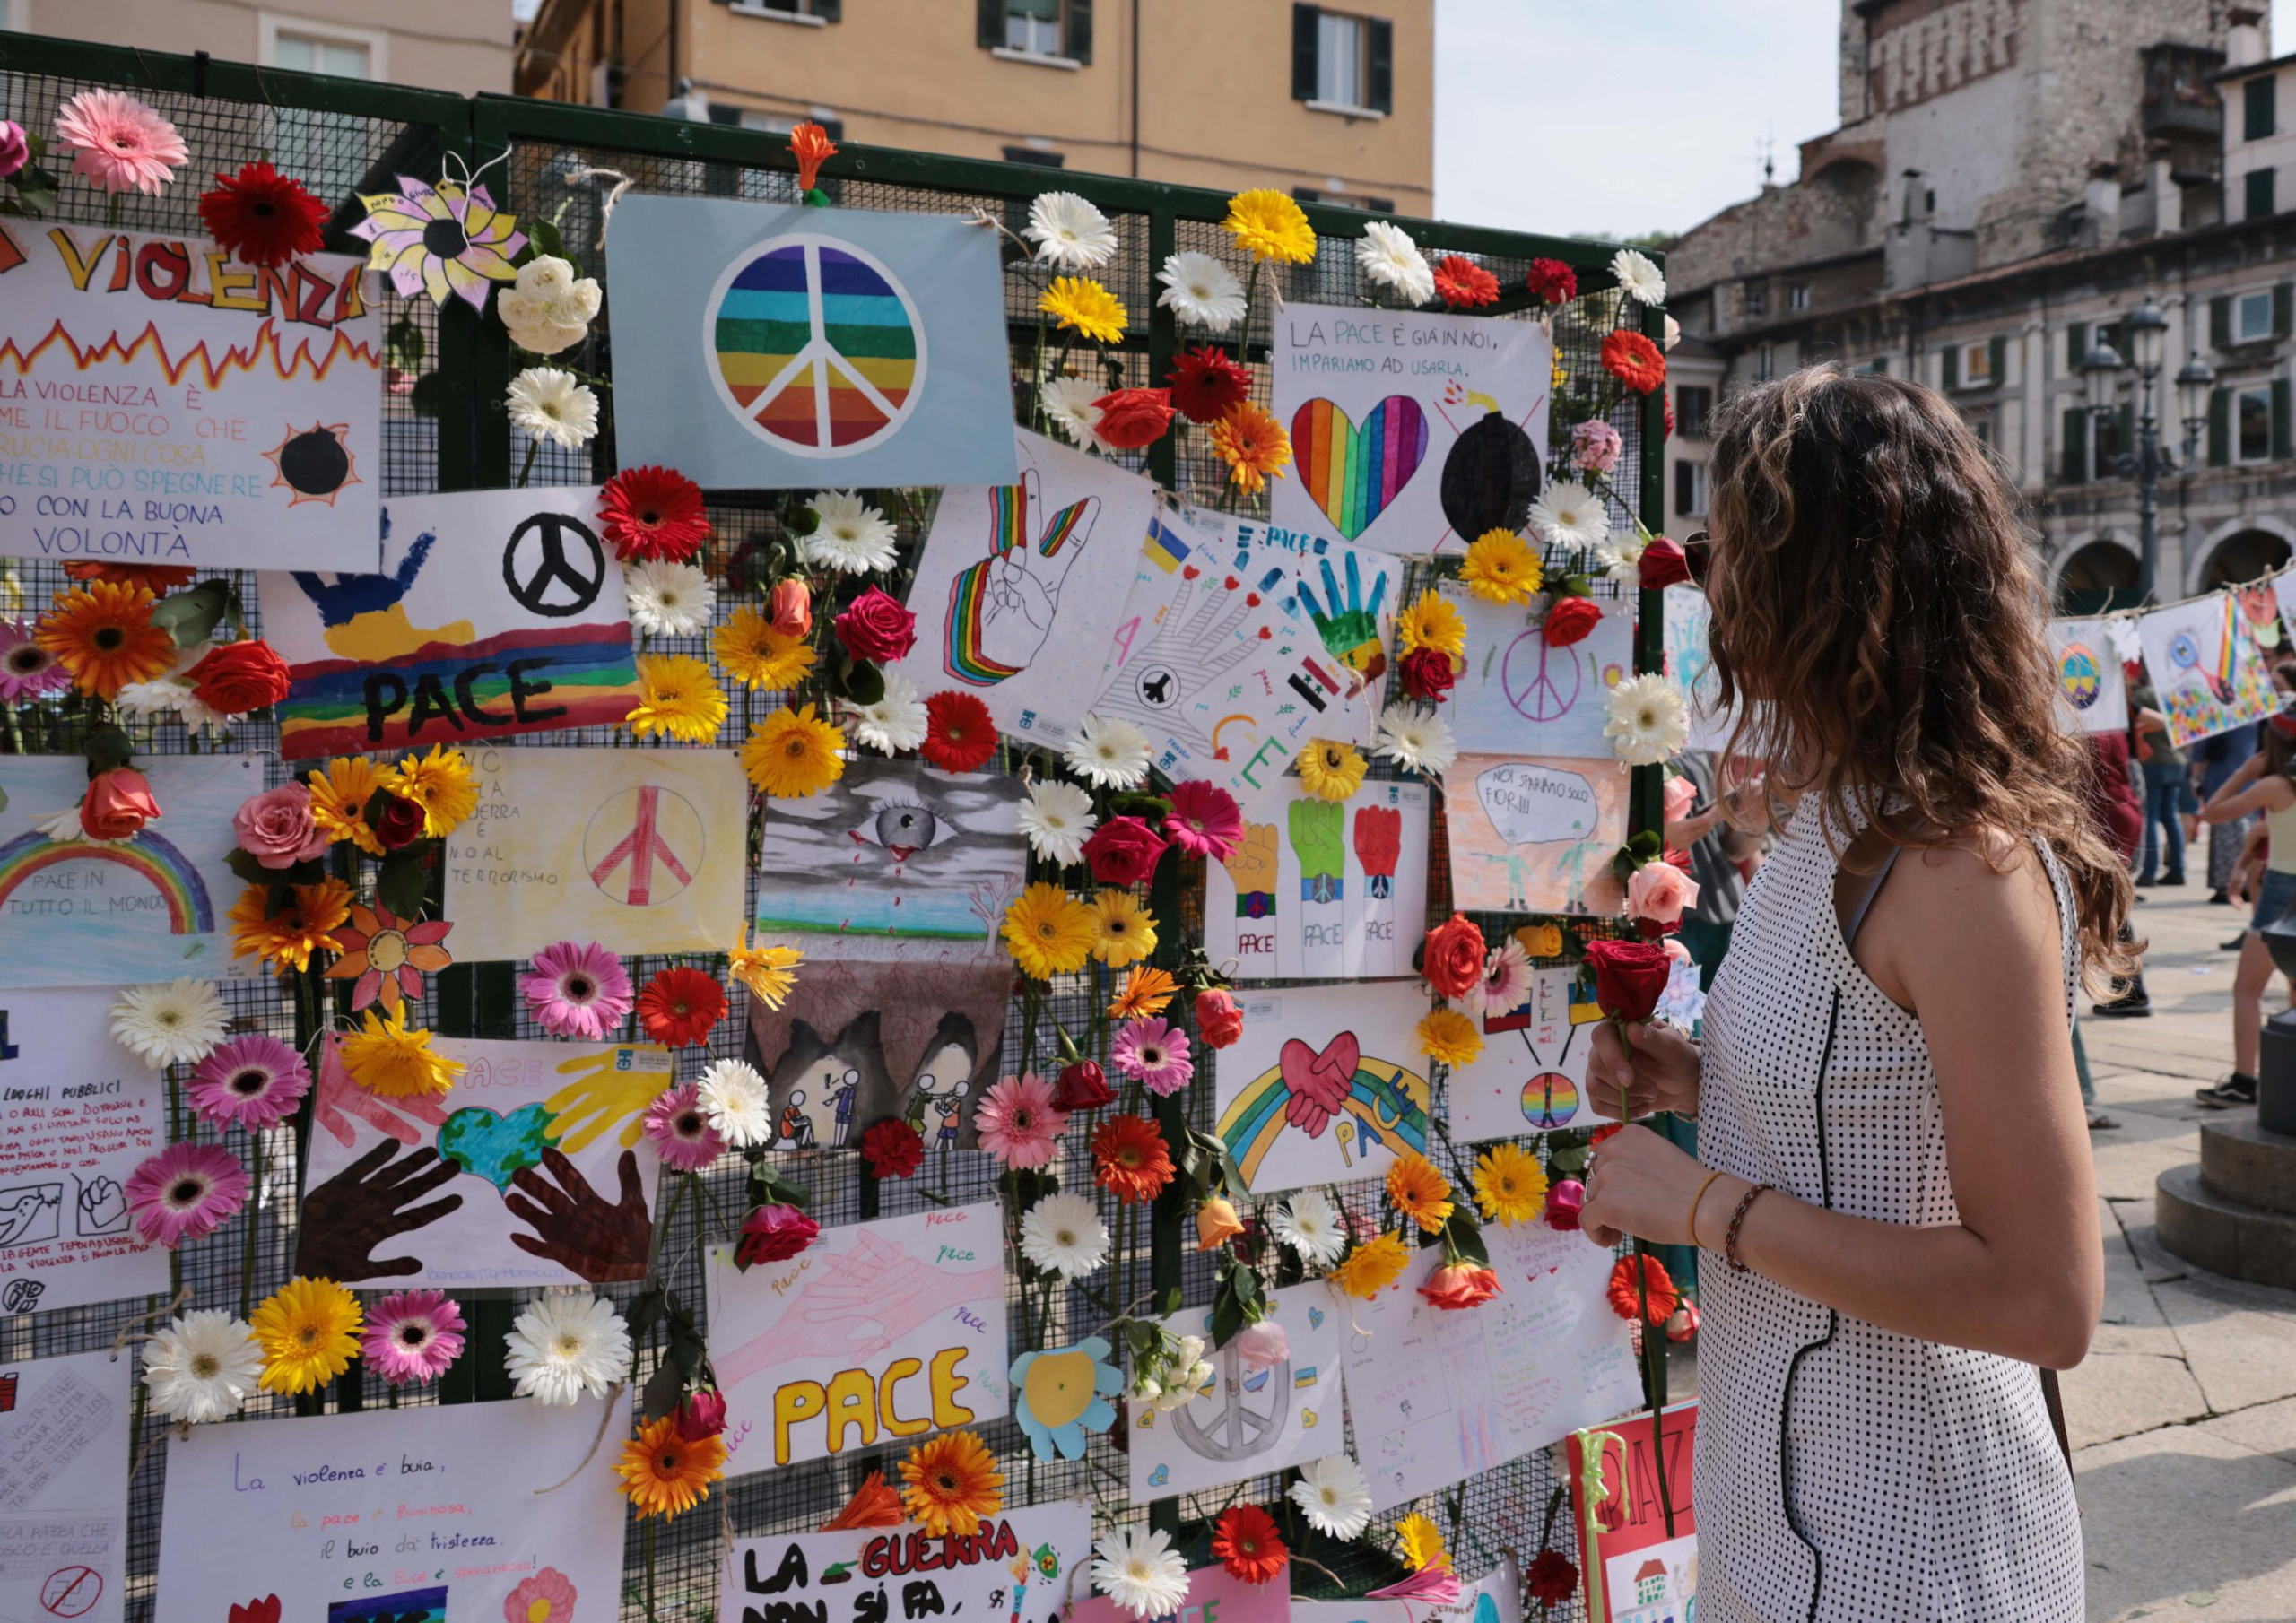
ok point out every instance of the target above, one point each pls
(1253, 444)
(1129, 1158)
(1146, 991)
(1419, 1191)
(679, 1006)
(387, 956)
(662, 1473)
(285, 940)
(156, 577)
(1634, 361)
(102, 633)
(953, 1482)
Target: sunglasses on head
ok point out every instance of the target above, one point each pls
(1698, 554)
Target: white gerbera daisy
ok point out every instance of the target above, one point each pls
(853, 538)
(1112, 754)
(177, 1024)
(1309, 1224)
(1390, 258)
(548, 404)
(1069, 232)
(895, 721)
(1057, 818)
(1569, 514)
(1418, 740)
(567, 1345)
(66, 825)
(669, 599)
(1639, 278)
(1332, 1494)
(201, 1367)
(1621, 556)
(1063, 1234)
(733, 1102)
(1068, 402)
(1201, 291)
(1648, 721)
(1138, 1569)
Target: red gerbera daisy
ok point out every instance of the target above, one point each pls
(960, 733)
(1552, 281)
(1248, 1544)
(1205, 383)
(263, 216)
(1129, 1158)
(892, 1147)
(153, 578)
(653, 513)
(1551, 1579)
(679, 1006)
(1463, 284)
(1626, 1294)
(1634, 361)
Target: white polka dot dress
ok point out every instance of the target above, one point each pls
(1847, 1474)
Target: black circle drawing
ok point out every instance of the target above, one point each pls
(446, 239)
(1490, 477)
(547, 565)
(1158, 687)
(314, 463)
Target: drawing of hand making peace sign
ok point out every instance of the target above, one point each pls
(1001, 609)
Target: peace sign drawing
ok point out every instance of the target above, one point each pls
(1001, 609)
(553, 565)
(814, 345)
(643, 845)
(1541, 685)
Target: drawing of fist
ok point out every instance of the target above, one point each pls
(578, 1229)
(1349, 626)
(103, 1206)
(371, 1200)
(601, 1096)
(1317, 840)
(338, 1098)
(1378, 839)
(1252, 871)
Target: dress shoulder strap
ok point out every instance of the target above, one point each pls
(1874, 882)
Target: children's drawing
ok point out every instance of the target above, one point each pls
(87, 1113)
(1531, 1076)
(879, 1333)
(531, 1172)
(1323, 892)
(1692, 667)
(1638, 1570)
(63, 1452)
(1517, 694)
(896, 859)
(1021, 586)
(1247, 1421)
(496, 612)
(1214, 1595)
(1060, 1396)
(1536, 836)
(639, 850)
(1024, 1565)
(2093, 692)
(2203, 663)
(1325, 1086)
(247, 431)
(802, 349)
(501, 1506)
(1411, 431)
(76, 912)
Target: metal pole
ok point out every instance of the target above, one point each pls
(2148, 489)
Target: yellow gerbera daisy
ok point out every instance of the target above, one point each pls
(1049, 931)
(1419, 1191)
(757, 655)
(1502, 569)
(1330, 770)
(677, 698)
(794, 753)
(339, 792)
(308, 1329)
(1420, 1542)
(1267, 224)
(662, 1473)
(1430, 622)
(951, 1483)
(1372, 1266)
(1449, 1036)
(1125, 930)
(1083, 304)
(285, 940)
(1146, 992)
(440, 782)
(386, 1059)
(1509, 1185)
(769, 972)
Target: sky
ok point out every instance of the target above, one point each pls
(1614, 118)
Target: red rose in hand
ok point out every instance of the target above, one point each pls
(1426, 674)
(400, 825)
(1664, 564)
(1569, 621)
(876, 628)
(1083, 1086)
(117, 805)
(1551, 1579)
(1457, 1284)
(238, 677)
(1132, 418)
(1630, 976)
(1454, 956)
(893, 1148)
(1217, 1019)
(1124, 851)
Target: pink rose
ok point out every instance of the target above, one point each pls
(1123, 851)
(1595, 446)
(1660, 891)
(15, 152)
(275, 827)
(1263, 1346)
(791, 608)
(117, 805)
(1681, 794)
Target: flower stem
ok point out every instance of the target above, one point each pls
(525, 468)
(255, 1203)
(1653, 1344)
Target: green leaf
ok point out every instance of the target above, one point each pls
(1172, 1299)
(398, 882)
(542, 238)
(36, 189)
(644, 1310)
(108, 747)
(861, 682)
(1465, 1236)
(1140, 805)
(664, 1390)
(191, 616)
(799, 520)
(244, 864)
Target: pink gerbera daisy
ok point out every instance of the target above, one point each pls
(185, 1192)
(576, 990)
(412, 1335)
(252, 1081)
(1505, 979)
(681, 1132)
(1205, 821)
(1018, 1122)
(122, 144)
(27, 670)
(1154, 1054)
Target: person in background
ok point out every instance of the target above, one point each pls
(2164, 769)
(1722, 853)
(2117, 811)
(2215, 760)
(2261, 785)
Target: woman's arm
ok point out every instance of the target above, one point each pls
(2274, 794)
(1684, 832)
(1978, 955)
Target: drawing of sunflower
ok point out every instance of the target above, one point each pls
(446, 240)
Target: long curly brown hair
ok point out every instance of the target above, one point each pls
(1878, 631)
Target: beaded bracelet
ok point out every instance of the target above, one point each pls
(1737, 1221)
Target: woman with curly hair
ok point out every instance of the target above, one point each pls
(1895, 1191)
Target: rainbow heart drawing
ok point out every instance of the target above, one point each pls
(1355, 473)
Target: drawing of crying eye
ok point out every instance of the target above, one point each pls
(904, 830)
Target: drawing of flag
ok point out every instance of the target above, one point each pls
(1164, 548)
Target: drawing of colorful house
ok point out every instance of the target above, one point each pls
(1648, 1600)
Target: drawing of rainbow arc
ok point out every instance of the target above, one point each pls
(1389, 1102)
(190, 912)
(236, 358)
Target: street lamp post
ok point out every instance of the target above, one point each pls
(2147, 329)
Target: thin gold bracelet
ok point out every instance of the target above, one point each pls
(1694, 1200)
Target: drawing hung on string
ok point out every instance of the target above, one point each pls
(1310, 1093)
(1320, 891)
(1516, 694)
(1247, 1421)
(1536, 836)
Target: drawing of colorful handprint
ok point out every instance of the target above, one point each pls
(1002, 608)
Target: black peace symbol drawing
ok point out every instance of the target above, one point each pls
(542, 555)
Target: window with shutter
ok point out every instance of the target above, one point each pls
(2281, 451)
(1997, 361)
(1342, 60)
(2257, 190)
(1950, 374)
(2252, 423)
(1304, 31)
(2261, 107)
(1380, 66)
(2220, 322)
(1078, 43)
(1682, 488)
(2073, 463)
(2219, 427)
(2282, 297)
(2076, 347)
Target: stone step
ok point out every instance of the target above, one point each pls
(2223, 1236)
(2244, 1161)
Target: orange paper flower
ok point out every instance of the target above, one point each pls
(873, 1504)
(387, 956)
(810, 145)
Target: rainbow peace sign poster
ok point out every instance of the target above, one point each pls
(77, 912)
(2092, 697)
(769, 348)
